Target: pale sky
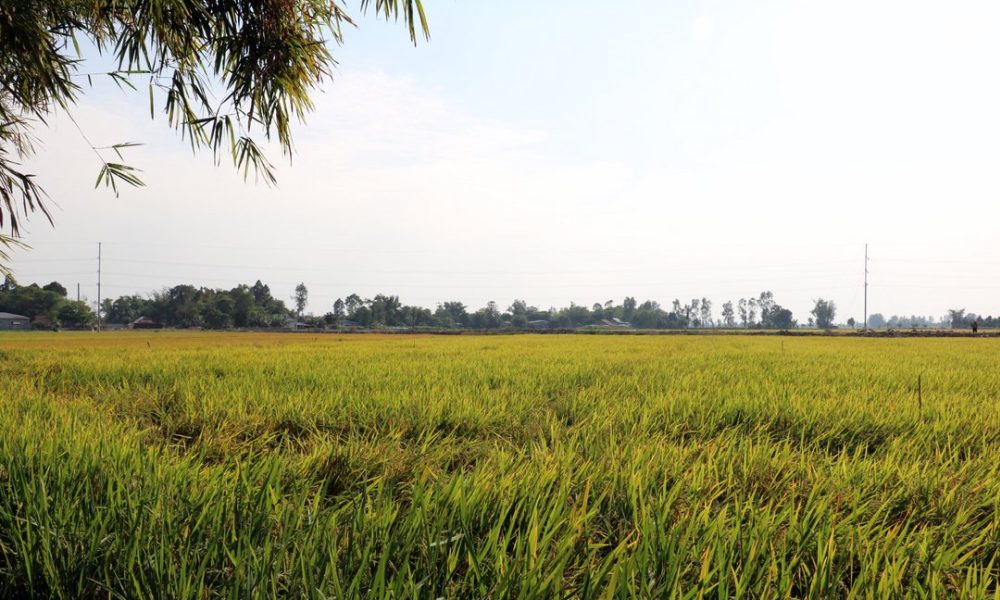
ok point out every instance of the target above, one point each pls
(581, 151)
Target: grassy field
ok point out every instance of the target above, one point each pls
(213, 465)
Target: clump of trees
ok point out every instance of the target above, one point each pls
(388, 311)
(254, 306)
(958, 318)
(381, 311)
(188, 306)
(761, 312)
(47, 306)
(879, 321)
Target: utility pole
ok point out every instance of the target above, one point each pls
(78, 291)
(866, 286)
(99, 285)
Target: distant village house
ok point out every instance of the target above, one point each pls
(145, 323)
(615, 322)
(11, 321)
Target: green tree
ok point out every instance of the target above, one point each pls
(56, 287)
(824, 311)
(301, 298)
(772, 314)
(706, 312)
(180, 305)
(47, 304)
(486, 318)
(224, 73)
(187, 306)
(214, 316)
(628, 308)
(518, 307)
(76, 314)
(728, 316)
(261, 293)
(416, 316)
(243, 306)
(597, 312)
(385, 310)
(452, 313)
(338, 311)
(646, 317)
(352, 303)
(124, 309)
(766, 304)
(363, 315)
(690, 312)
(752, 312)
(30, 301)
(574, 316)
(780, 318)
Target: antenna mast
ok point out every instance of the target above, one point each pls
(866, 286)
(99, 244)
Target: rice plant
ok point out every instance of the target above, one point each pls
(230, 465)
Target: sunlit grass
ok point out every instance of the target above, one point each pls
(204, 465)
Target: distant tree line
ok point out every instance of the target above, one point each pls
(758, 312)
(47, 306)
(880, 321)
(958, 318)
(190, 306)
(254, 306)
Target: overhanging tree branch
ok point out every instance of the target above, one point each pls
(266, 57)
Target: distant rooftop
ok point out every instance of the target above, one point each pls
(4, 315)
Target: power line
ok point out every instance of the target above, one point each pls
(763, 280)
(54, 274)
(684, 245)
(505, 281)
(258, 267)
(921, 262)
(53, 260)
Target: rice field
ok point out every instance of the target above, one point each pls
(235, 465)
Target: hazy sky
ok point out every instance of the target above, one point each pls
(582, 151)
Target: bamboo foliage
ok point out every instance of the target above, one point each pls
(231, 74)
